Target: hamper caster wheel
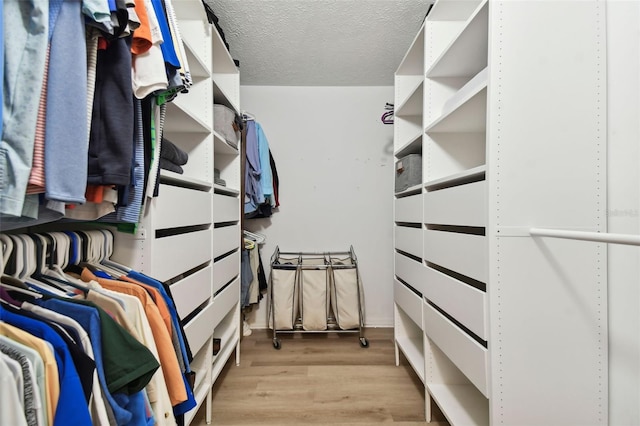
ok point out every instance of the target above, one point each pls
(276, 343)
(364, 342)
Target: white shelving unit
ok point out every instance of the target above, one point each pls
(190, 234)
(490, 318)
(408, 132)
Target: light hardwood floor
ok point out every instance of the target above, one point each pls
(319, 379)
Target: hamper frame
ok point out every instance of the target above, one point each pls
(296, 264)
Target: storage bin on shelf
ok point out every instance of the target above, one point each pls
(315, 292)
(408, 172)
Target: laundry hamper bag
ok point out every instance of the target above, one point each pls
(347, 301)
(284, 295)
(314, 289)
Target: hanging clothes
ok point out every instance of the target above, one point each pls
(259, 176)
(150, 385)
(24, 60)
(101, 54)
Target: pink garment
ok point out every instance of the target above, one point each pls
(36, 178)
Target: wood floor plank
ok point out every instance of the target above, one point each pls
(318, 380)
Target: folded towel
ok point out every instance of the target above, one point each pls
(168, 165)
(169, 151)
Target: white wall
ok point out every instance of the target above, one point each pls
(335, 163)
(623, 44)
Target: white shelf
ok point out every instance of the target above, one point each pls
(222, 60)
(467, 112)
(197, 66)
(220, 189)
(410, 191)
(452, 10)
(467, 53)
(476, 173)
(412, 105)
(221, 146)
(200, 395)
(222, 95)
(167, 176)
(181, 120)
(201, 365)
(224, 354)
(414, 352)
(412, 146)
(413, 61)
(461, 404)
(228, 342)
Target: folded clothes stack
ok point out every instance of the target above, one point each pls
(172, 158)
(216, 178)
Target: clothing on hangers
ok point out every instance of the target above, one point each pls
(150, 329)
(99, 77)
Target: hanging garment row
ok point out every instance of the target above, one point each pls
(97, 342)
(104, 69)
(253, 279)
(261, 176)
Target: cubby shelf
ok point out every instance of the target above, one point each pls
(197, 66)
(412, 349)
(412, 105)
(467, 53)
(412, 146)
(174, 178)
(413, 61)
(181, 119)
(221, 146)
(466, 406)
(466, 110)
(452, 10)
(416, 189)
(470, 175)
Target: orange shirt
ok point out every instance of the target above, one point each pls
(168, 358)
(141, 41)
(157, 297)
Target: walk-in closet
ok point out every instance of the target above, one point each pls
(329, 212)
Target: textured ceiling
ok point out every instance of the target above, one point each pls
(319, 42)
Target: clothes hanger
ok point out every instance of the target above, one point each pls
(15, 265)
(7, 250)
(108, 242)
(63, 244)
(258, 238)
(28, 257)
(106, 261)
(53, 276)
(4, 284)
(248, 116)
(57, 271)
(96, 251)
(38, 277)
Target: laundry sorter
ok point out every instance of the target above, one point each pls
(316, 292)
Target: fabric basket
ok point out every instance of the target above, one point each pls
(223, 123)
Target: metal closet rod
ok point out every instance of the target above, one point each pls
(599, 237)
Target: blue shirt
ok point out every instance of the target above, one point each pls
(190, 403)
(89, 319)
(167, 47)
(253, 171)
(71, 408)
(266, 178)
